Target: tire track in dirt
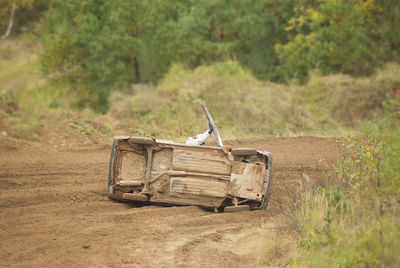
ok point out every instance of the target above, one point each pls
(55, 212)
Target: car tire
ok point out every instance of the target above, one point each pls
(110, 168)
(239, 208)
(243, 151)
(267, 193)
(141, 140)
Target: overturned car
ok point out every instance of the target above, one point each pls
(152, 171)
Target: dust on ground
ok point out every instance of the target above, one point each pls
(55, 211)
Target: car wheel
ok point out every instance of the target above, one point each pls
(243, 151)
(141, 140)
(110, 167)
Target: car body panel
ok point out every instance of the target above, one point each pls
(163, 172)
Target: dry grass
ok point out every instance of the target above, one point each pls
(245, 107)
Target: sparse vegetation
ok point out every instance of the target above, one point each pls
(18, 115)
(76, 123)
(354, 221)
(14, 123)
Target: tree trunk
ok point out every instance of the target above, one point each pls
(10, 24)
(137, 71)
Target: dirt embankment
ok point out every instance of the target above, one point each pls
(55, 212)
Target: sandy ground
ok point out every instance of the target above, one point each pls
(55, 211)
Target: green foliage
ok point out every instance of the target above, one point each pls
(380, 18)
(330, 37)
(26, 14)
(91, 48)
(369, 168)
(100, 46)
(343, 36)
(354, 221)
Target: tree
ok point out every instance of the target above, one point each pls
(10, 24)
(100, 46)
(17, 14)
(330, 37)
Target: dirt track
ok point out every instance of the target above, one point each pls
(55, 212)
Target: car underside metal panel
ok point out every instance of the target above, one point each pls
(201, 161)
(197, 186)
(133, 166)
(247, 180)
(162, 161)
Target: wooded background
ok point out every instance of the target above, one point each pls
(99, 46)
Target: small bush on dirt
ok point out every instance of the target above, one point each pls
(77, 123)
(88, 123)
(13, 122)
(354, 221)
(341, 98)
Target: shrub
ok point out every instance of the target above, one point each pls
(354, 221)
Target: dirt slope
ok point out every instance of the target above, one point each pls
(55, 212)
